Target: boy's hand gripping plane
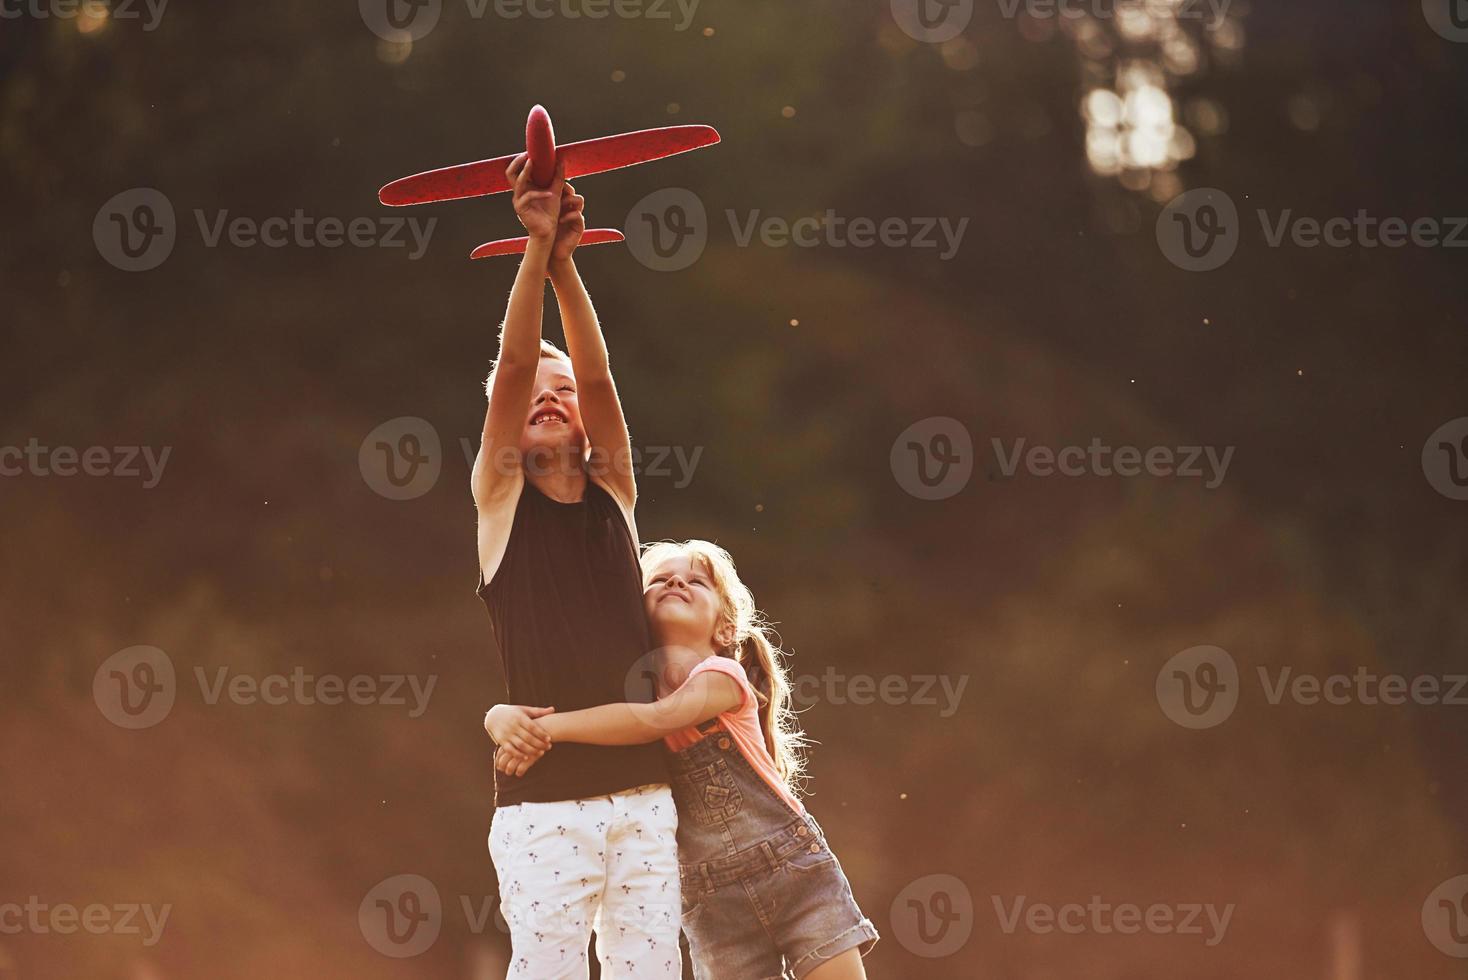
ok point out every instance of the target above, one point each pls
(587, 157)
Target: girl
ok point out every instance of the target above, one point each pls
(762, 894)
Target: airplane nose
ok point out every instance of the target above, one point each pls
(540, 143)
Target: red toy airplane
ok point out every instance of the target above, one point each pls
(587, 157)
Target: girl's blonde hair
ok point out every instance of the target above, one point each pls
(755, 647)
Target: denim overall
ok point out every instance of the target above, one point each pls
(763, 896)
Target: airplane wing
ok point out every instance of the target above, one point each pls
(516, 246)
(449, 183)
(587, 157)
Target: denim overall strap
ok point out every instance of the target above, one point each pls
(730, 821)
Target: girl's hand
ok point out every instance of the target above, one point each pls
(572, 223)
(513, 726)
(512, 763)
(538, 208)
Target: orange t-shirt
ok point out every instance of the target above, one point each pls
(742, 724)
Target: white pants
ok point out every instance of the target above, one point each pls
(609, 864)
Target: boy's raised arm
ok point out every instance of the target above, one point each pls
(497, 469)
(601, 409)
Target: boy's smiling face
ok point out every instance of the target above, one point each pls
(553, 425)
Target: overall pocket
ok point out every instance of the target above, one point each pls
(807, 861)
(692, 894)
(707, 795)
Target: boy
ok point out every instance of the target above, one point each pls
(587, 840)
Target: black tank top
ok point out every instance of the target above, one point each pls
(566, 608)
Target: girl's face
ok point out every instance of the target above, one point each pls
(681, 603)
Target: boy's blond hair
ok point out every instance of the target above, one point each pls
(547, 349)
